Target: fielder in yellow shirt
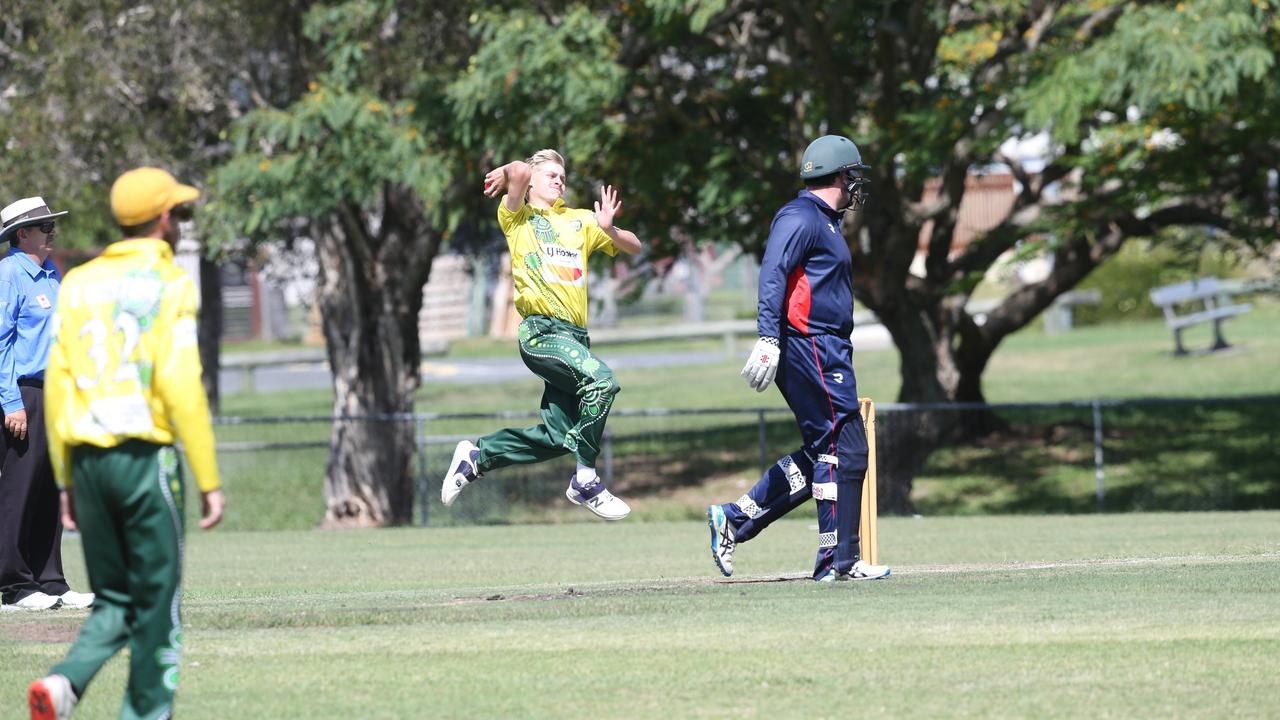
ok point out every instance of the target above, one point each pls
(550, 244)
(123, 384)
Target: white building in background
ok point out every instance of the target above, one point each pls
(273, 299)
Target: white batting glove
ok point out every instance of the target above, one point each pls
(762, 364)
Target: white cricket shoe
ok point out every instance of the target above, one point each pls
(37, 601)
(722, 540)
(51, 698)
(861, 570)
(462, 471)
(596, 498)
(77, 600)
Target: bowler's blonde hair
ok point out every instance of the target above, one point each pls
(544, 156)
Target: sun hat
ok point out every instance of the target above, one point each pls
(23, 213)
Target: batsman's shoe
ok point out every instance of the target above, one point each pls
(76, 600)
(861, 570)
(51, 698)
(722, 540)
(596, 498)
(462, 471)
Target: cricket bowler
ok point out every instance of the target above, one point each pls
(550, 244)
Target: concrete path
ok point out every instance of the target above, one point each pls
(311, 374)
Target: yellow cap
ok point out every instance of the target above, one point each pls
(144, 194)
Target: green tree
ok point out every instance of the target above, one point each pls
(366, 165)
(89, 90)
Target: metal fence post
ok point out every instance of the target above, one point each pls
(423, 484)
(607, 451)
(1099, 472)
(764, 460)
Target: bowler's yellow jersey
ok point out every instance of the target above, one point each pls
(549, 251)
(123, 363)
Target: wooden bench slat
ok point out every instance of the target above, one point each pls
(1207, 315)
(1212, 296)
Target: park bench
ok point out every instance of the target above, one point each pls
(1211, 301)
(1060, 316)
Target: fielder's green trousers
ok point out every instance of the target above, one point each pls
(129, 509)
(575, 403)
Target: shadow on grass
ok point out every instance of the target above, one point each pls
(1157, 457)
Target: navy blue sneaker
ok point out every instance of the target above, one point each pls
(860, 571)
(462, 471)
(596, 498)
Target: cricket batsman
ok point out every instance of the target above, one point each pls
(805, 317)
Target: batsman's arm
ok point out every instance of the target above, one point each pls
(782, 254)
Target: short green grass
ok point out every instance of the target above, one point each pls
(1152, 615)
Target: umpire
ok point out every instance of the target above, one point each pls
(30, 534)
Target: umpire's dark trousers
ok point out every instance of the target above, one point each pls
(30, 529)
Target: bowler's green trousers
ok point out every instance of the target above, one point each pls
(579, 392)
(129, 508)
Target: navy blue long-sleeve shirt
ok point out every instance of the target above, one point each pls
(806, 276)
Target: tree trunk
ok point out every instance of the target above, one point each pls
(370, 295)
(210, 330)
(907, 437)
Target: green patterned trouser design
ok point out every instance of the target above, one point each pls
(575, 403)
(129, 506)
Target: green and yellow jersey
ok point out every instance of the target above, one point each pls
(549, 251)
(123, 363)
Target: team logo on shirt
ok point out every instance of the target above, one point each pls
(543, 230)
(43, 301)
(831, 227)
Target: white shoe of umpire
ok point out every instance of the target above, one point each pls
(51, 698)
(462, 471)
(38, 601)
(597, 499)
(722, 540)
(77, 600)
(861, 570)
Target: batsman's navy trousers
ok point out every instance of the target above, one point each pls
(815, 375)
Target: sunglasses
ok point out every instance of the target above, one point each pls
(46, 227)
(181, 212)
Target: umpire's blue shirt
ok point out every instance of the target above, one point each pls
(28, 297)
(806, 276)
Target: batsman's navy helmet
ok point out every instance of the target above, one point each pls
(828, 155)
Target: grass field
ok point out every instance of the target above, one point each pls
(1151, 615)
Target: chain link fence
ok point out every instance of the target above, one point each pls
(1031, 458)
